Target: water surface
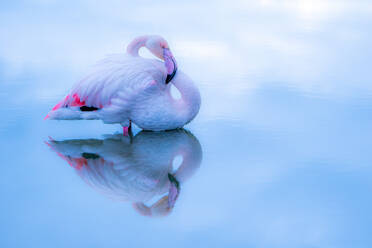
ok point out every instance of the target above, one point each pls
(282, 141)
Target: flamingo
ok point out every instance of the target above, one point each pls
(126, 88)
(140, 171)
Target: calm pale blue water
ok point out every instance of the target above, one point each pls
(285, 128)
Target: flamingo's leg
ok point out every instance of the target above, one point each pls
(127, 130)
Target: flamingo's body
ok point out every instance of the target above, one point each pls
(138, 171)
(126, 87)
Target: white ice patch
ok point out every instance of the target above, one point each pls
(177, 161)
(175, 93)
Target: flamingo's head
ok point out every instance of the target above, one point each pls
(160, 48)
(158, 209)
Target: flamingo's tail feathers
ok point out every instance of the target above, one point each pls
(72, 108)
(64, 114)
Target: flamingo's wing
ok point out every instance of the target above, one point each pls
(112, 87)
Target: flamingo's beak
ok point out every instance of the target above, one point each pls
(174, 190)
(170, 64)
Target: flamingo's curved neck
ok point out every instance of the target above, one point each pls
(136, 44)
(188, 106)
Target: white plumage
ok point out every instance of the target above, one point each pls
(126, 87)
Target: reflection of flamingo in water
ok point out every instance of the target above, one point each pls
(136, 171)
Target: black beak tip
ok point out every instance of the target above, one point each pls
(168, 79)
(170, 76)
